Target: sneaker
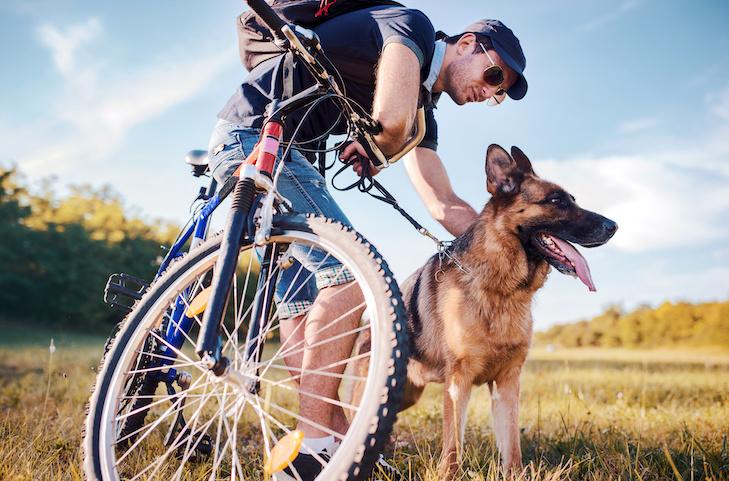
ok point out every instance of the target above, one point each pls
(306, 466)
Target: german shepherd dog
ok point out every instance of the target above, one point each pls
(469, 313)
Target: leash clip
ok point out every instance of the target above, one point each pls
(443, 248)
(444, 251)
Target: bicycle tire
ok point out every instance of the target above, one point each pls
(370, 426)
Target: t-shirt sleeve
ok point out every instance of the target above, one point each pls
(411, 28)
(430, 141)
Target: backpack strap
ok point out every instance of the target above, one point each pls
(288, 75)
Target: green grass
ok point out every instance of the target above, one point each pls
(585, 415)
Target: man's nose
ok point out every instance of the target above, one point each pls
(489, 91)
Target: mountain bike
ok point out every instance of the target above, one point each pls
(199, 382)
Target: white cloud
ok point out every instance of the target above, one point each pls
(625, 7)
(102, 101)
(657, 204)
(637, 125)
(64, 44)
(719, 103)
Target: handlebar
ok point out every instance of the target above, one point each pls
(268, 16)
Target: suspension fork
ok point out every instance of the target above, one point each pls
(259, 163)
(261, 308)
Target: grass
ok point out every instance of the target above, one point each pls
(585, 415)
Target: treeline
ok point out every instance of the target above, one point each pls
(669, 325)
(56, 252)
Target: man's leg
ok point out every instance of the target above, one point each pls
(334, 297)
(336, 311)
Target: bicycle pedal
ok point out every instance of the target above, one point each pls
(202, 446)
(123, 290)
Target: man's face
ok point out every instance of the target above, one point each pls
(464, 75)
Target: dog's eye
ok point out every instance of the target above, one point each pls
(556, 200)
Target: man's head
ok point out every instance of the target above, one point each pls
(472, 59)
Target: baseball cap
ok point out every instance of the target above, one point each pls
(509, 49)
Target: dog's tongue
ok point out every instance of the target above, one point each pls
(583, 270)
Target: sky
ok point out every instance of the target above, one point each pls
(627, 109)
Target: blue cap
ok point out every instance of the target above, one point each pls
(509, 49)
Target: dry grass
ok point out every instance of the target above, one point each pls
(585, 415)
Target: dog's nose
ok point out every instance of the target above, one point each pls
(610, 227)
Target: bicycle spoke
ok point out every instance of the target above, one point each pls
(331, 323)
(304, 420)
(162, 368)
(287, 294)
(314, 396)
(151, 405)
(279, 354)
(170, 346)
(168, 358)
(233, 435)
(193, 433)
(275, 439)
(217, 458)
(320, 371)
(171, 409)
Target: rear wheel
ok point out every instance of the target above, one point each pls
(157, 413)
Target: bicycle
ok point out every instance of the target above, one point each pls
(207, 331)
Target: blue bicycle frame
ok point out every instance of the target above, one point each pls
(179, 324)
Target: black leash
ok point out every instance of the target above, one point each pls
(366, 184)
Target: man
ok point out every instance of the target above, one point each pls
(390, 59)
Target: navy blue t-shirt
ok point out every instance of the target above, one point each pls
(353, 42)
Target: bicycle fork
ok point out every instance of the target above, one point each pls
(253, 174)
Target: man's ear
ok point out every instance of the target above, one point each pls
(503, 175)
(466, 43)
(522, 161)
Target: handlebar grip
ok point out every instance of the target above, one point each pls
(268, 16)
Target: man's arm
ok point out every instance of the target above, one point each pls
(430, 180)
(396, 96)
(395, 102)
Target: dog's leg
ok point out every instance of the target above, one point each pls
(361, 367)
(456, 396)
(505, 413)
(410, 394)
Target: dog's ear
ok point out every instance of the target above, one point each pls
(503, 175)
(522, 160)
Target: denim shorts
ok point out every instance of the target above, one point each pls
(302, 184)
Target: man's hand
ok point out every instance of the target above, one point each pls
(353, 152)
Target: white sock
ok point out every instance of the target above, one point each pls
(317, 444)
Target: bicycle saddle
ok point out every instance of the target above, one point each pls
(198, 159)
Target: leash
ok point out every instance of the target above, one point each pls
(366, 184)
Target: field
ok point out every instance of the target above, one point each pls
(585, 415)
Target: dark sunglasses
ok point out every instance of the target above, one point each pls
(494, 76)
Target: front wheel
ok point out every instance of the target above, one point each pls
(157, 413)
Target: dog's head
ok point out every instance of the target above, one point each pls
(543, 215)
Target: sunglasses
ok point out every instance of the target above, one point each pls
(493, 76)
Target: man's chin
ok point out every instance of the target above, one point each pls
(458, 100)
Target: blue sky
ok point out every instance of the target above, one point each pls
(628, 109)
